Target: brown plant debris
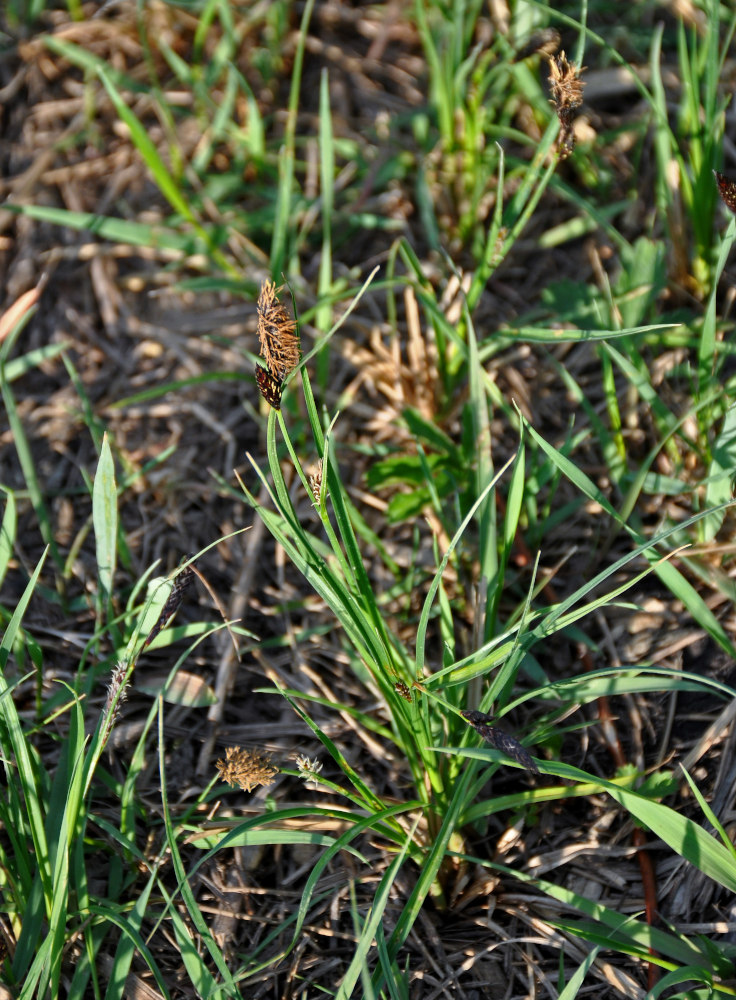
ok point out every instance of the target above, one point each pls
(567, 96)
(279, 343)
(246, 768)
(173, 603)
(270, 387)
(499, 739)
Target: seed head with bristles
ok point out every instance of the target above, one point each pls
(117, 692)
(308, 770)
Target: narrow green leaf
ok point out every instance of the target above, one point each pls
(8, 530)
(359, 961)
(19, 748)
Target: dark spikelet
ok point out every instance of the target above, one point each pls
(499, 739)
(402, 689)
(279, 343)
(545, 42)
(476, 718)
(727, 191)
(173, 603)
(270, 387)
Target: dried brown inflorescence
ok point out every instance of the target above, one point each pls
(246, 769)
(279, 343)
(567, 96)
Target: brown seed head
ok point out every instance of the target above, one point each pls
(565, 82)
(279, 343)
(246, 768)
(567, 95)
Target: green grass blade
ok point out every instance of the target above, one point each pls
(667, 573)
(427, 881)
(432, 592)
(28, 466)
(115, 230)
(105, 520)
(131, 942)
(637, 935)
(8, 530)
(683, 835)
(194, 960)
(15, 743)
(720, 474)
(145, 146)
(323, 315)
(284, 198)
(577, 979)
(359, 961)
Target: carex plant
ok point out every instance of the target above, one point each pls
(435, 706)
(444, 701)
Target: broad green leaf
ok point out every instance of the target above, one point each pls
(105, 520)
(721, 474)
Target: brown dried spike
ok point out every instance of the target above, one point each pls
(246, 768)
(567, 95)
(565, 83)
(279, 343)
